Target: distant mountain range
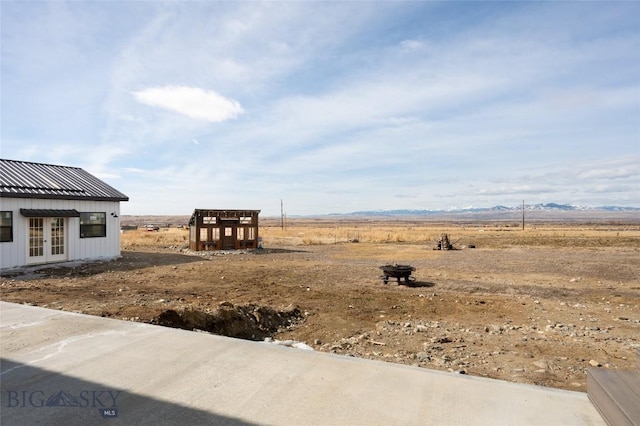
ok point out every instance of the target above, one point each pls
(545, 211)
(545, 207)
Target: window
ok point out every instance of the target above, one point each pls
(93, 225)
(209, 234)
(6, 227)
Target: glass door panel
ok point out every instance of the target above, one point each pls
(56, 239)
(36, 237)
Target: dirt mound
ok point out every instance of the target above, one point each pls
(249, 322)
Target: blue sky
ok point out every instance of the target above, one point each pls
(332, 107)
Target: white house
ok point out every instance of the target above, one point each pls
(52, 213)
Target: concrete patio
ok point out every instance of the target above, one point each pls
(60, 368)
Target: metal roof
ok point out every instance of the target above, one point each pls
(22, 179)
(222, 214)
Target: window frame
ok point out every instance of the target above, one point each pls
(3, 226)
(93, 225)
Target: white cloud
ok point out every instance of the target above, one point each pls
(517, 189)
(609, 188)
(106, 176)
(193, 102)
(409, 45)
(620, 168)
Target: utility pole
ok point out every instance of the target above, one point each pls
(523, 215)
(281, 214)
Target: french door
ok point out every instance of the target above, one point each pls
(47, 240)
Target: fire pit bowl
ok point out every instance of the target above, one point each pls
(398, 272)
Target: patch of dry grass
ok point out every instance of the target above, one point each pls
(481, 236)
(162, 238)
(392, 253)
(397, 234)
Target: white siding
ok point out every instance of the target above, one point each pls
(14, 254)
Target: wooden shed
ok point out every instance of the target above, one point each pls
(223, 229)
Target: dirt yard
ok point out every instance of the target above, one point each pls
(537, 306)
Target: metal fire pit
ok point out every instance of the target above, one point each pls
(398, 272)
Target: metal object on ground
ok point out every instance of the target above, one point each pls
(444, 243)
(398, 272)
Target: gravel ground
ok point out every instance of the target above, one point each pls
(539, 315)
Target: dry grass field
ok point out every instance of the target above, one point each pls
(539, 305)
